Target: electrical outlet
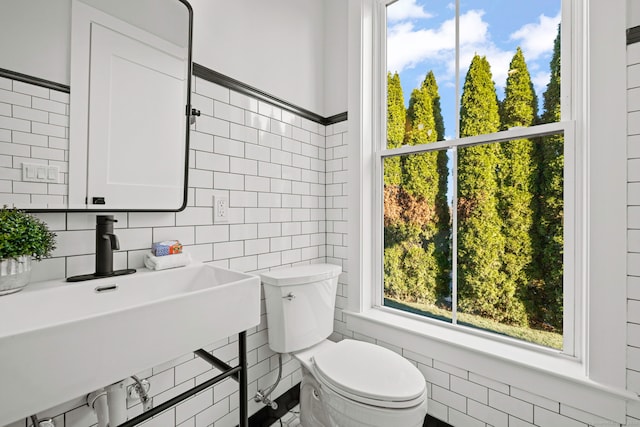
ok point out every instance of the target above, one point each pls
(220, 209)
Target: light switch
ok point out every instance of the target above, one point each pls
(41, 173)
(29, 171)
(33, 172)
(52, 174)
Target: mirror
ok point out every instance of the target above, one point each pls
(94, 104)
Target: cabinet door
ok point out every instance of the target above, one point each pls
(136, 156)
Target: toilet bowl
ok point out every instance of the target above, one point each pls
(354, 383)
(349, 383)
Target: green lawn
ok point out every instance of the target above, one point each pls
(545, 338)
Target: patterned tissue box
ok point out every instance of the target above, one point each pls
(168, 247)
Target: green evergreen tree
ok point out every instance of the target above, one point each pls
(408, 255)
(395, 283)
(396, 120)
(431, 86)
(547, 292)
(418, 195)
(412, 263)
(443, 216)
(420, 170)
(395, 280)
(481, 245)
(516, 179)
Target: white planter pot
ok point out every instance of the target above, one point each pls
(14, 274)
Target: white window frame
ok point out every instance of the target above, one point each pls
(571, 294)
(572, 190)
(592, 377)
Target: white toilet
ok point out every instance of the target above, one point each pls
(345, 384)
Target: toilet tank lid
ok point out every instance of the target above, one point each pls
(301, 274)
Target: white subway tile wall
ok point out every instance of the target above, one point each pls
(34, 129)
(337, 139)
(270, 164)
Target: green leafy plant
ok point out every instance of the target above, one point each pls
(23, 234)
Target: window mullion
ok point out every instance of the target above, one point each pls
(454, 203)
(457, 73)
(469, 141)
(454, 239)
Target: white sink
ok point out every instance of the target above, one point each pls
(61, 340)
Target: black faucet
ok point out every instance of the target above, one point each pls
(106, 243)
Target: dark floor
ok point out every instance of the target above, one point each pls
(267, 416)
(429, 421)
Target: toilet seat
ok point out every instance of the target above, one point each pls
(370, 374)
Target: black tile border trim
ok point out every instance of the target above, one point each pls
(212, 76)
(238, 86)
(336, 118)
(633, 35)
(25, 78)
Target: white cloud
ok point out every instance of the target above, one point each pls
(540, 81)
(406, 9)
(407, 46)
(536, 39)
(473, 28)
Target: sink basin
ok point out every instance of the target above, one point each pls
(59, 341)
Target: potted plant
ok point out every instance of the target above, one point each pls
(22, 238)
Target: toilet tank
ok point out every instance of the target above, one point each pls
(300, 303)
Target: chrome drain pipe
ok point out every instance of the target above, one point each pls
(97, 401)
(117, 403)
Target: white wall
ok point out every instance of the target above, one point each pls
(275, 46)
(633, 13)
(35, 35)
(167, 19)
(34, 38)
(335, 57)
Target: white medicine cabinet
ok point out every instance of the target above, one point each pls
(128, 115)
(102, 93)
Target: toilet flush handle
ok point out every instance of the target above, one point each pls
(289, 296)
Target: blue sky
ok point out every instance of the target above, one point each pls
(421, 37)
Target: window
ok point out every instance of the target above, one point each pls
(593, 126)
(473, 197)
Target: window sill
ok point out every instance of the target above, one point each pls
(549, 374)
